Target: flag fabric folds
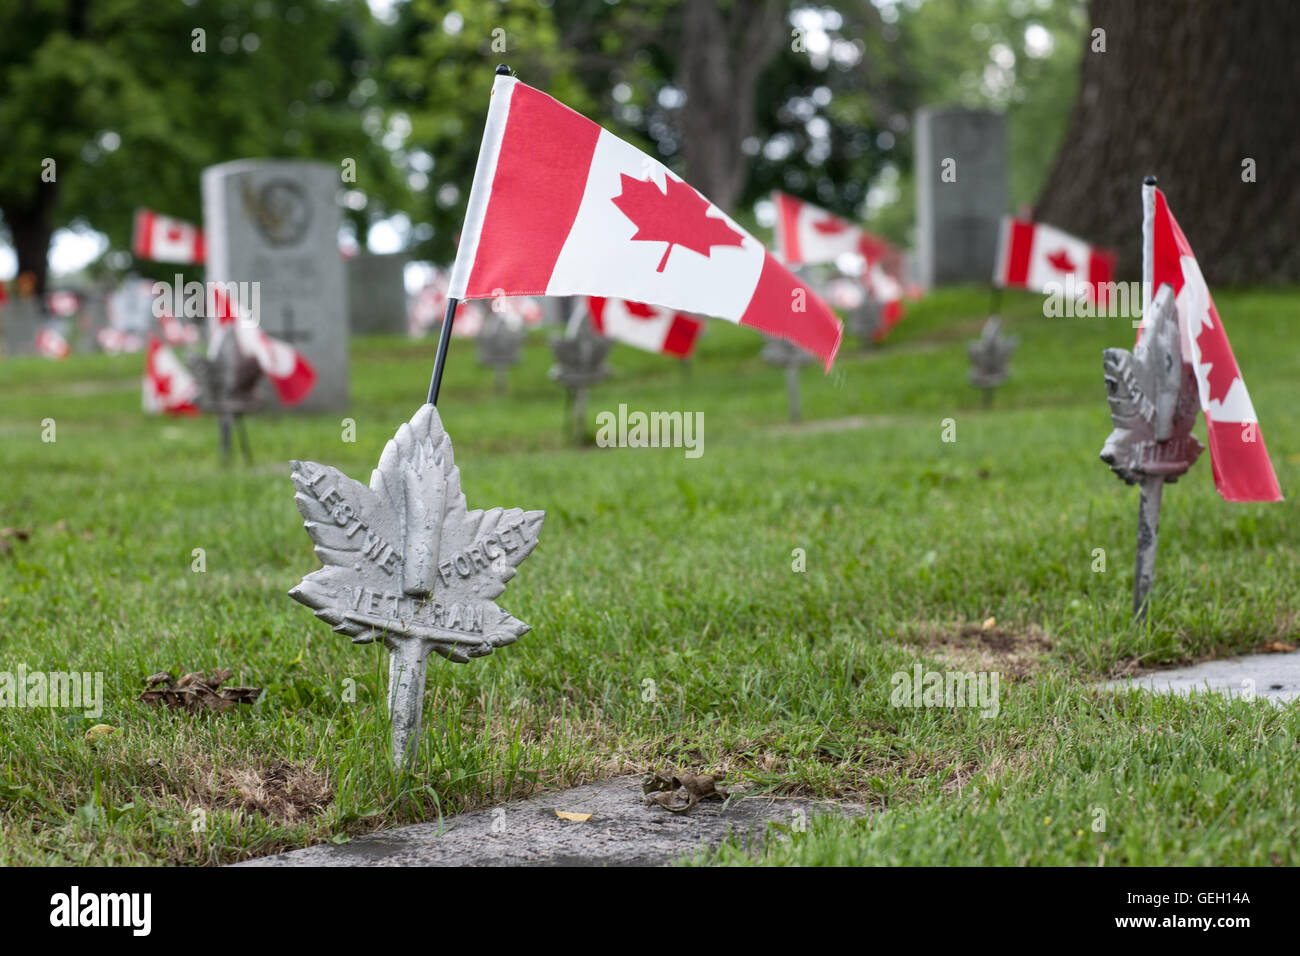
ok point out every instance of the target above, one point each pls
(1242, 468)
(809, 235)
(560, 206)
(647, 327)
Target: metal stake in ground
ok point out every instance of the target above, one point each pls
(1153, 404)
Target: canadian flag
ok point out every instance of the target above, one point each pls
(648, 327)
(51, 343)
(163, 239)
(1242, 469)
(168, 385)
(886, 289)
(808, 235)
(290, 373)
(559, 206)
(1031, 255)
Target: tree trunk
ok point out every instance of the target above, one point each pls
(30, 224)
(1187, 91)
(719, 64)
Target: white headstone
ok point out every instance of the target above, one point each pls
(22, 319)
(276, 222)
(961, 193)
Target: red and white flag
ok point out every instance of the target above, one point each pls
(648, 327)
(163, 239)
(290, 373)
(1032, 255)
(559, 206)
(809, 235)
(51, 343)
(168, 385)
(1242, 469)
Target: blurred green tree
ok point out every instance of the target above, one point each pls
(130, 104)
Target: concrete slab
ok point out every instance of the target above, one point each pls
(622, 831)
(1274, 677)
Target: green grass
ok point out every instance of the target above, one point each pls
(653, 567)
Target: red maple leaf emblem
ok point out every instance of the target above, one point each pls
(1216, 353)
(1060, 261)
(162, 384)
(679, 217)
(640, 309)
(829, 226)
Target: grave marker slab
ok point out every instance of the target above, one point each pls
(957, 221)
(377, 294)
(276, 222)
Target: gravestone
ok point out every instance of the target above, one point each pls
(377, 294)
(787, 355)
(93, 318)
(957, 221)
(22, 317)
(276, 223)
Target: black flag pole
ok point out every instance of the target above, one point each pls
(444, 337)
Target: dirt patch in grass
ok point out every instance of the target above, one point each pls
(280, 790)
(1015, 653)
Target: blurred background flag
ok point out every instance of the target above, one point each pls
(1031, 255)
(160, 238)
(647, 327)
(168, 386)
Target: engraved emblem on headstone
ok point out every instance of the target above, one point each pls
(787, 355)
(580, 363)
(281, 210)
(990, 357)
(1153, 404)
(498, 347)
(407, 563)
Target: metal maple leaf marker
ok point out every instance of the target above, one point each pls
(498, 348)
(228, 388)
(787, 355)
(990, 357)
(1153, 404)
(580, 362)
(407, 563)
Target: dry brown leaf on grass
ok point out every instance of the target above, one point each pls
(677, 793)
(197, 691)
(575, 817)
(1278, 647)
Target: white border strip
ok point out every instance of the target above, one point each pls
(480, 192)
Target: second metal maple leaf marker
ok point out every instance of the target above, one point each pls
(406, 562)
